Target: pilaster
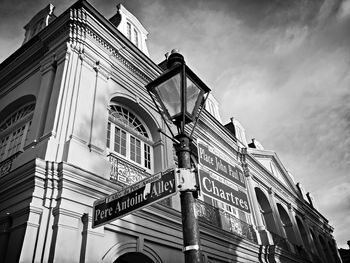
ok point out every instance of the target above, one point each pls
(264, 236)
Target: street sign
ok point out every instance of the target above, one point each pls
(221, 189)
(133, 198)
(209, 157)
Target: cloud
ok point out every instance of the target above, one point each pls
(336, 203)
(344, 11)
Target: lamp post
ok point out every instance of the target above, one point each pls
(182, 95)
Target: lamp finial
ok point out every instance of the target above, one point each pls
(175, 58)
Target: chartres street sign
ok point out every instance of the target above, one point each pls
(219, 188)
(133, 198)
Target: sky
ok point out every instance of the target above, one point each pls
(279, 67)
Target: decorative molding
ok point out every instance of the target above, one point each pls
(116, 53)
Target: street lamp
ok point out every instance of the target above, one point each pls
(181, 95)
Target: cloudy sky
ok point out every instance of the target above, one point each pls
(280, 67)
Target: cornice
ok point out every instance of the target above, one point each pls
(269, 178)
(21, 68)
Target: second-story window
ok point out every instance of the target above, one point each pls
(128, 137)
(136, 37)
(132, 33)
(14, 130)
(128, 30)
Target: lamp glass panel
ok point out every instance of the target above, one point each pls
(169, 93)
(193, 92)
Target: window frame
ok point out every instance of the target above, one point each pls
(11, 130)
(114, 123)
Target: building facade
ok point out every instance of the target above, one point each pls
(77, 124)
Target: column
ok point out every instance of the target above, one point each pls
(265, 236)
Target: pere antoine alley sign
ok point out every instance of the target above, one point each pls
(133, 198)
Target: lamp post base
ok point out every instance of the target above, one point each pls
(190, 228)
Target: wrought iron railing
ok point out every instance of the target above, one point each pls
(300, 251)
(125, 172)
(221, 219)
(6, 165)
(283, 243)
(208, 213)
(315, 258)
(279, 241)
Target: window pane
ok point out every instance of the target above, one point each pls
(128, 25)
(132, 148)
(119, 141)
(108, 143)
(3, 145)
(124, 116)
(136, 38)
(26, 133)
(16, 116)
(135, 149)
(147, 156)
(16, 140)
(138, 151)
(116, 139)
(123, 143)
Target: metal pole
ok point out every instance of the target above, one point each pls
(188, 207)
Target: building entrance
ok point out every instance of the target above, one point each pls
(132, 257)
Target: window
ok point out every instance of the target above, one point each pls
(132, 33)
(14, 130)
(136, 37)
(128, 30)
(128, 138)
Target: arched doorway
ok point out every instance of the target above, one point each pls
(132, 257)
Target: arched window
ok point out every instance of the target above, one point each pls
(128, 137)
(287, 224)
(266, 211)
(324, 247)
(303, 233)
(14, 129)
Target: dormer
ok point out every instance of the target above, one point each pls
(212, 106)
(38, 22)
(236, 128)
(255, 144)
(130, 27)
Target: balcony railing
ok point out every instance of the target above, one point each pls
(279, 241)
(208, 213)
(221, 219)
(283, 243)
(6, 165)
(125, 172)
(300, 251)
